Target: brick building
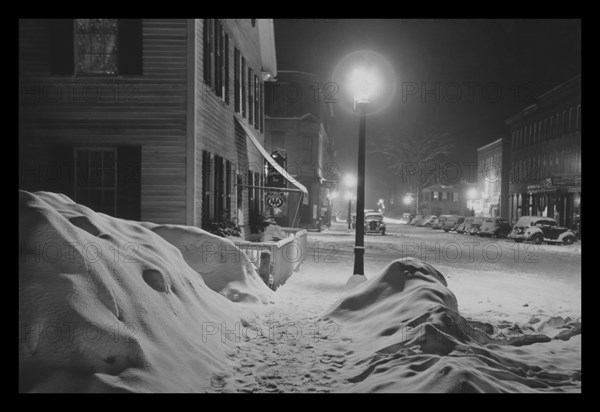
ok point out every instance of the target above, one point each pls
(545, 158)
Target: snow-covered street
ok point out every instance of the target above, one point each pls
(495, 282)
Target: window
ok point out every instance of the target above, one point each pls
(207, 50)
(207, 212)
(261, 112)
(256, 103)
(216, 58)
(435, 196)
(545, 133)
(551, 132)
(218, 174)
(250, 96)
(95, 46)
(578, 125)
(96, 179)
(228, 189)
(226, 89)
(455, 196)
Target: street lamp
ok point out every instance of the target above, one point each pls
(363, 84)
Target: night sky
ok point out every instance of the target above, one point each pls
(486, 71)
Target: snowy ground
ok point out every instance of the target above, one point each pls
(495, 281)
(108, 305)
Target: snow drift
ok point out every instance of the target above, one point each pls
(408, 336)
(109, 305)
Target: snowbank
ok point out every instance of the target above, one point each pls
(223, 266)
(408, 336)
(109, 305)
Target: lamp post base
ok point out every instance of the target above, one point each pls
(354, 281)
(359, 262)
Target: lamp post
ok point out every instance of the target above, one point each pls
(361, 85)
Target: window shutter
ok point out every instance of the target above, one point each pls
(236, 80)
(130, 46)
(129, 182)
(62, 43)
(226, 68)
(244, 91)
(61, 159)
(206, 51)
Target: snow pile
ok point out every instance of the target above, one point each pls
(108, 305)
(408, 336)
(223, 266)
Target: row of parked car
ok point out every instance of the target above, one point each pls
(537, 229)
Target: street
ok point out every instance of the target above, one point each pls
(483, 277)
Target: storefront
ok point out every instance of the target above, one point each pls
(558, 197)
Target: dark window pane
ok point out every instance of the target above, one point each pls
(82, 196)
(95, 202)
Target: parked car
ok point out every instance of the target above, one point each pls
(416, 219)
(465, 225)
(405, 219)
(452, 222)
(439, 223)
(426, 221)
(476, 225)
(374, 223)
(539, 229)
(354, 216)
(495, 226)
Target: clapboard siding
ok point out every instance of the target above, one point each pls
(215, 122)
(148, 110)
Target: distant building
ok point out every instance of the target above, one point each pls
(147, 119)
(445, 199)
(492, 179)
(296, 125)
(545, 159)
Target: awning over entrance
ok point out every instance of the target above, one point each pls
(272, 161)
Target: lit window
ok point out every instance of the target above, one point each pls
(96, 46)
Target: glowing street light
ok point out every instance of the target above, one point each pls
(350, 180)
(472, 193)
(408, 199)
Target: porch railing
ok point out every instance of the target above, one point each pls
(276, 261)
